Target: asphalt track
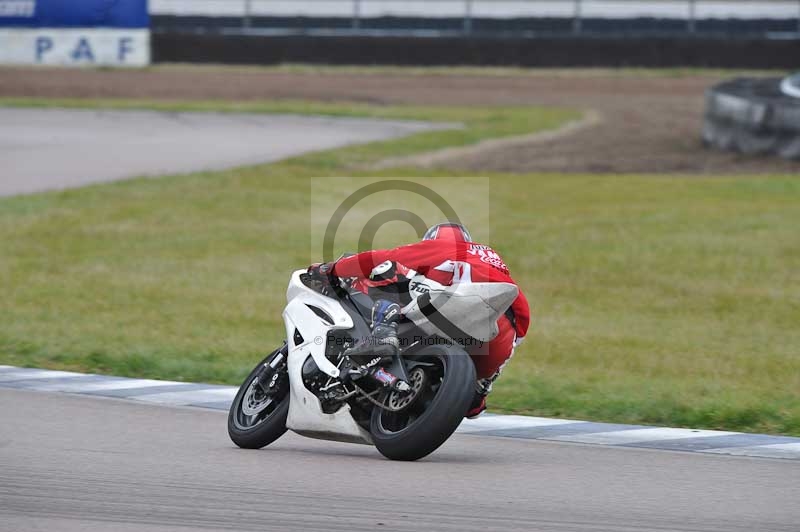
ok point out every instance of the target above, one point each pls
(43, 149)
(74, 463)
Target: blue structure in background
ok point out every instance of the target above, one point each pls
(75, 32)
(74, 14)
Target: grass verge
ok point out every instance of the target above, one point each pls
(656, 300)
(482, 71)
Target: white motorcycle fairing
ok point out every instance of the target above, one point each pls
(305, 412)
(461, 311)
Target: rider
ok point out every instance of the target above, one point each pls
(446, 255)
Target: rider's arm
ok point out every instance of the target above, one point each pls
(361, 265)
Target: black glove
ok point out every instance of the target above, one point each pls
(321, 270)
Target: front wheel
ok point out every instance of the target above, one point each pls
(258, 418)
(442, 378)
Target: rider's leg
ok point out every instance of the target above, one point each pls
(490, 358)
(383, 341)
(489, 361)
(385, 315)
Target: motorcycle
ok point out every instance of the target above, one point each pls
(406, 404)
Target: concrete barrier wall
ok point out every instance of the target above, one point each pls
(497, 9)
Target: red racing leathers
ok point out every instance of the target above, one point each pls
(444, 262)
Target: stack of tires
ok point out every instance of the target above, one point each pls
(754, 116)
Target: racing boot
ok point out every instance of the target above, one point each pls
(383, 343)
(478, 406)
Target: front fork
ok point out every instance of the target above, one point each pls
(268, 377)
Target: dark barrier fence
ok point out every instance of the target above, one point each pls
(428, 51)
(508, 27)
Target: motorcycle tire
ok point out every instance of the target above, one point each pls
(263, 431)
(442, 415)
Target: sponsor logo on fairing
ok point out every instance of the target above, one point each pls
(419, 287)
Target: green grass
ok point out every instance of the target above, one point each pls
(656, 299)
(483, 71)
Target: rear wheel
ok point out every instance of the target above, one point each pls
(414, 425)
(258, 417)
